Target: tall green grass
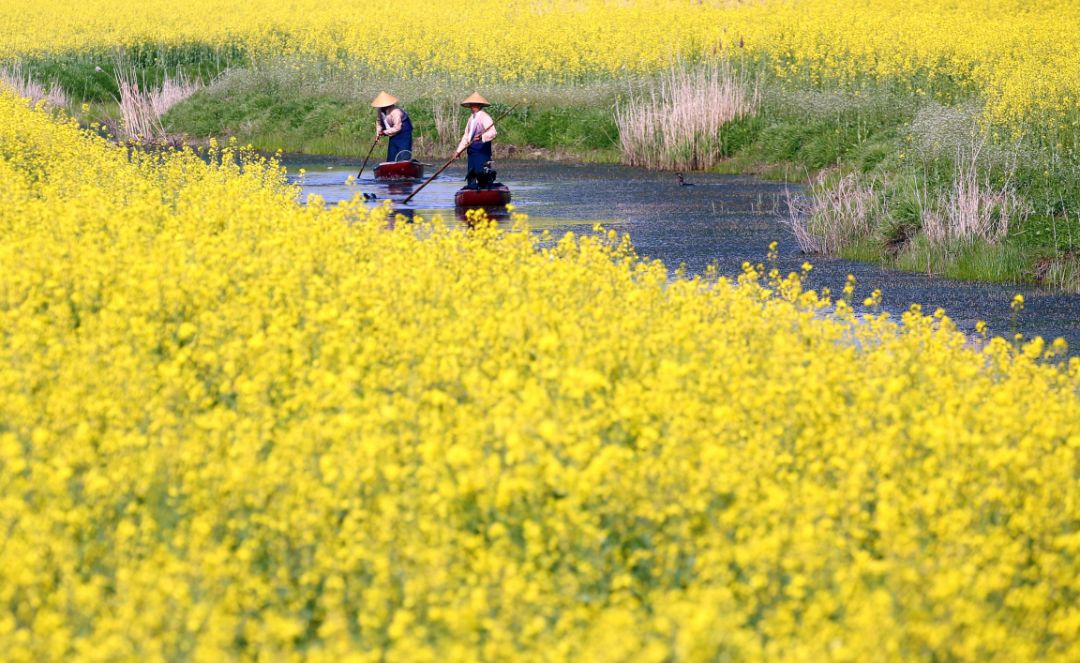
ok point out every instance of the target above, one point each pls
(273, 108)
(91, 75)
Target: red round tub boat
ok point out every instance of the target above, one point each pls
(496, 196)
(399, 170)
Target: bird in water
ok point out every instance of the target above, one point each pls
(369, 196)
(683, 182)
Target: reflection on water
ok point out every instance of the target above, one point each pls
(400, 189)
(721, 219)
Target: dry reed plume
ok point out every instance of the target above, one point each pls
(972, 209)
(679, 124)
(829, 218)
(25, 86)
(141, 107)
(447, 125)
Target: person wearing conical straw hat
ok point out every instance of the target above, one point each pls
(394, 123)
(479, 132)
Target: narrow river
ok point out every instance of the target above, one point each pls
(722, 219)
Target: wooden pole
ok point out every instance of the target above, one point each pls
(454, 158)
(363, 165)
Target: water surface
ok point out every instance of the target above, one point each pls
(722, 219)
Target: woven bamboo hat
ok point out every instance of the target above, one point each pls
(475, 98)
(383, 100)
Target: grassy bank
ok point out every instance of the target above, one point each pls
(92, 76)
(898, 153)
(911, 183)
(274, 108)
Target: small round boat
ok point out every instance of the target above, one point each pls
(399, 170)
(495, 196)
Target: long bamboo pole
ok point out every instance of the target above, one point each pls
(454, 158)
(363, 165)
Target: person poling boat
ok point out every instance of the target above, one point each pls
(479, 132)
(457, 153)
(394, 123)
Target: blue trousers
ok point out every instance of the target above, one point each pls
(478, 155)
(401, 141)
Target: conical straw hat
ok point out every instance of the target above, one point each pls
(383, 100)
(475, 98)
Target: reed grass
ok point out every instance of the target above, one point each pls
(25, 85)
(973, 209)
(445, 116)
(978, 260)
(1061, 272)
(678, 125)
(142, 106)
(831, 217)
(89, 74)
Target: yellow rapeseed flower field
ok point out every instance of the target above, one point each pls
(1021, 56)
(233, 427)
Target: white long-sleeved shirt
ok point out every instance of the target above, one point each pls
(479, 122)
(391, 122)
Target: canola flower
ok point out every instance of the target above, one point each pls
(1021, 57)
(232, 427)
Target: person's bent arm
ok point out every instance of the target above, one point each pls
(485, 121)
(393, 122)
(466, 138)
